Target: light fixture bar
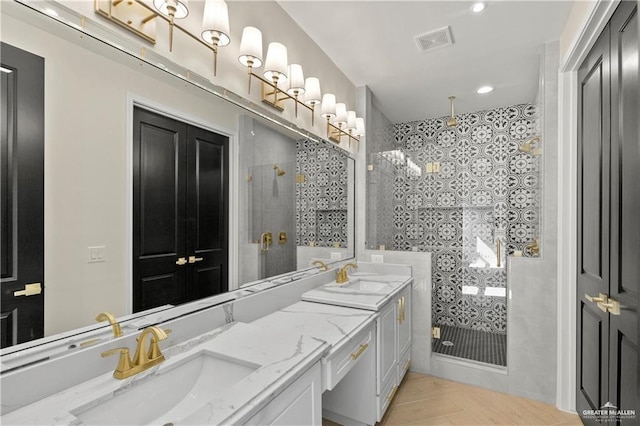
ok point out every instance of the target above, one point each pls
(274, 96)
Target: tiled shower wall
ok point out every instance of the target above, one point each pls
(486, 189)
(321, 196)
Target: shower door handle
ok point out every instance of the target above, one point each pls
(265, 241)
(498, 253)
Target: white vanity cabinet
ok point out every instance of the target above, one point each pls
(299, 404)
(394, 347)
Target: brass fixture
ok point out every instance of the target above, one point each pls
(181, 261)
(401, 309)
(144, 358)
(301, 178)
(498, 252)
(435, 332)
(452, 122)
(279, 171)
(193, 259)
(282, 238)
(29, 290)
(131, 15)
(323, 266)
(605, 303)
(529, 148)
(363, 347)
(107, 316)
(533, 248)
(393, 393)
(266, 239)
(342, 273)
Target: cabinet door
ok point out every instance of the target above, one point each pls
(299, 404)
(387, 343)
(404, 322)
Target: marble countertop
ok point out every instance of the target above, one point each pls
(334, 324)
(365, 290)
(280, 358)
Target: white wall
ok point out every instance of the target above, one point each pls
(86, 201)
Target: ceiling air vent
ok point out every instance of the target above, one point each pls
(434, 39)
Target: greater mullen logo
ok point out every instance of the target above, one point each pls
(609, 412)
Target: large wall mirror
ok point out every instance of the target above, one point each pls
(291, 194)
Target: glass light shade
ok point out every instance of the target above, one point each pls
(359, 126)
(296, 79)
(276, 63)
(351, 120)
(328, 105)
(341, 114)
(215, 23)
(181, 7)
(312, 94)
(251, 47)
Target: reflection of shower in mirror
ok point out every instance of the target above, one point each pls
(279, 171)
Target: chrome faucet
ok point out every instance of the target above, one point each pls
(342, 273)
(144, 358)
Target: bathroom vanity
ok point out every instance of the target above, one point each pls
(293, 365)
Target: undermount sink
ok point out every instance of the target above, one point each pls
(366, 285)
(169, 394)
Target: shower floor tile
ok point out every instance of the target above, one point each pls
(482, 346)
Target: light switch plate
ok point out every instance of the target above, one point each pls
(96, 254)
(377, 258)
(336, 255)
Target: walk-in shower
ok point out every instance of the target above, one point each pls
(469, 194)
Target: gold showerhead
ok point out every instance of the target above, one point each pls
(452, 121)
(279, 171)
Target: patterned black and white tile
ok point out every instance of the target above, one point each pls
(321, 196)
(486, 189)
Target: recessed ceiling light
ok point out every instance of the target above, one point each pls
(484, 89)
(478, 7)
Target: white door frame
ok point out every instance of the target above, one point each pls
(134, 100)
(567, 198)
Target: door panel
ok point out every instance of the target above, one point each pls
(207, 206)
(593, 226)
(22, 194)
(180, 211)
(625, 206)
(159, 156)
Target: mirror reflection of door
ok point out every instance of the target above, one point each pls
(22, 199)
(180, 211)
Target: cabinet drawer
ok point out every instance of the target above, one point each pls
(389, 389)
(404, 363)
(339, 363)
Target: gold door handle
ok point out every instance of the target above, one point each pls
(601, 298)
(400, 309)
(29, 290)
(181, 261)
(193, 259)
(611, 306)
(404, 308)
(498, 253)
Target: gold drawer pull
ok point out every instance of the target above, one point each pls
(29, 290)
(393, 393)
(359, 352)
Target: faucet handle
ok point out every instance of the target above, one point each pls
(124, 363)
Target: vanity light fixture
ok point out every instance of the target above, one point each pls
(484, 89)
(312, 94)
(478, 7)
(251, 50)
(452, 121)
(215, 24)
(174, 9)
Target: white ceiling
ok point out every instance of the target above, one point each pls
(372, 42)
